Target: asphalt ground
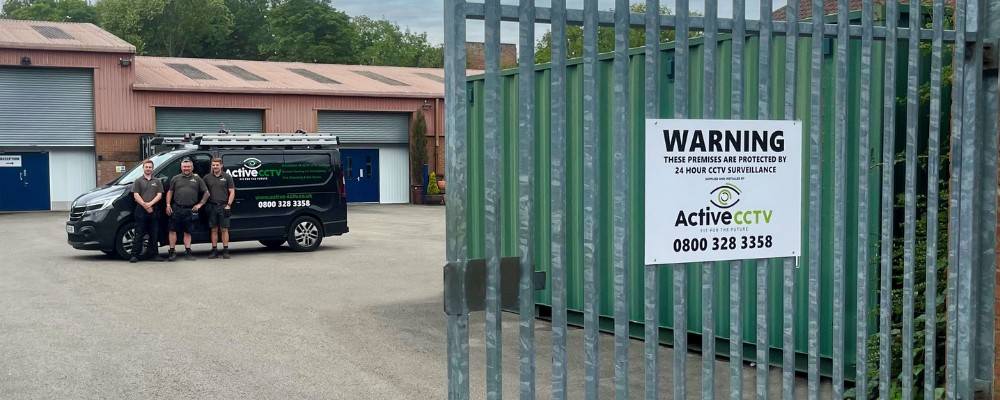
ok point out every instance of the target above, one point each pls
(360, 318)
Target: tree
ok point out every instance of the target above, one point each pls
(310, 31)
(174, 28)
(135, 21)
(50, 10)
(605, 38)
(381, 42)
(418, 151)
(195, 28)
(250, 30)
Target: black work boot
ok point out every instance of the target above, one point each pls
(225, 253)
(187, 255)
(133, 260)
(171, 255)
(214, 254)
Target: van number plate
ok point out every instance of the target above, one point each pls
(283, 203)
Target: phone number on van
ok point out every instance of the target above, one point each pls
(283, 203)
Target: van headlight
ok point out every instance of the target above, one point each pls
(102, 203)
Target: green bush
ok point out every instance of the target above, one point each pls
(432, 185)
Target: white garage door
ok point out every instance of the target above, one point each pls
(394, 172)
(69, 177)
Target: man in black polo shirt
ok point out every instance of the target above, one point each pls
(187, 194)
(221, 194)
(147, 192)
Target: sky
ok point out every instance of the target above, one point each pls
(428, 15)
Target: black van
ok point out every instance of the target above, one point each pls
(285, 192)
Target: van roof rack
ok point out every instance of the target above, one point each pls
(249, 140)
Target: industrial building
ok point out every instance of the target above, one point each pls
(76, 103)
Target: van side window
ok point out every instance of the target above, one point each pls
(171, 169)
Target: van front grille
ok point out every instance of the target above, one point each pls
(76, 213)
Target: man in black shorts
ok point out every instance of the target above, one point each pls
(147, 191)
(187, 194)
(220, 201)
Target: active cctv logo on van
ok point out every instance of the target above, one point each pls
(723, 198)
(252, 163)
(249, 171)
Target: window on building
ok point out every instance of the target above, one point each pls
(312, 75)
(190, 71)
(381, 78)
(52, 32)
(241, 73)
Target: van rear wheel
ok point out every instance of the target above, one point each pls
(305, 234)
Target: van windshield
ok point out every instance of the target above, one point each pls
(136, 172)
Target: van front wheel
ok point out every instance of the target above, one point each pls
(124, 241)
(305, 234)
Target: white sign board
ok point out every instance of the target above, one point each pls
(119, 168)
(722, 190)
(10, 161)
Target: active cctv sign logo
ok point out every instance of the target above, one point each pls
(723, 197)
(720, 190)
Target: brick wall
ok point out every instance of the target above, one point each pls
(115, 149)
(475, 55)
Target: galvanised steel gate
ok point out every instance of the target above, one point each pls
(544, 167)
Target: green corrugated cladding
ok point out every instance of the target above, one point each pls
(574, 98)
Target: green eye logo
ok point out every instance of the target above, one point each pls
(725, 196)
(252, 163)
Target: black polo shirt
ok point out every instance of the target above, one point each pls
(187, 189)
(218, 187)
(147, 188)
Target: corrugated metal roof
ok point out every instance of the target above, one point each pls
(68, 36)
(154, 74)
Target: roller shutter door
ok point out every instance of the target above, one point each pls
(178, 121)
(366, 127)
(46, 107)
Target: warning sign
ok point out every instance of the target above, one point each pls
(722, 190)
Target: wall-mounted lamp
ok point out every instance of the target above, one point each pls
(25, 60)
(427, 104)
(124, 62)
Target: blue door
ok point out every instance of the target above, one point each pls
(24, 181)
(361, 174)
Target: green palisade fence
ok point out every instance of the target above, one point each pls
(574, 101)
